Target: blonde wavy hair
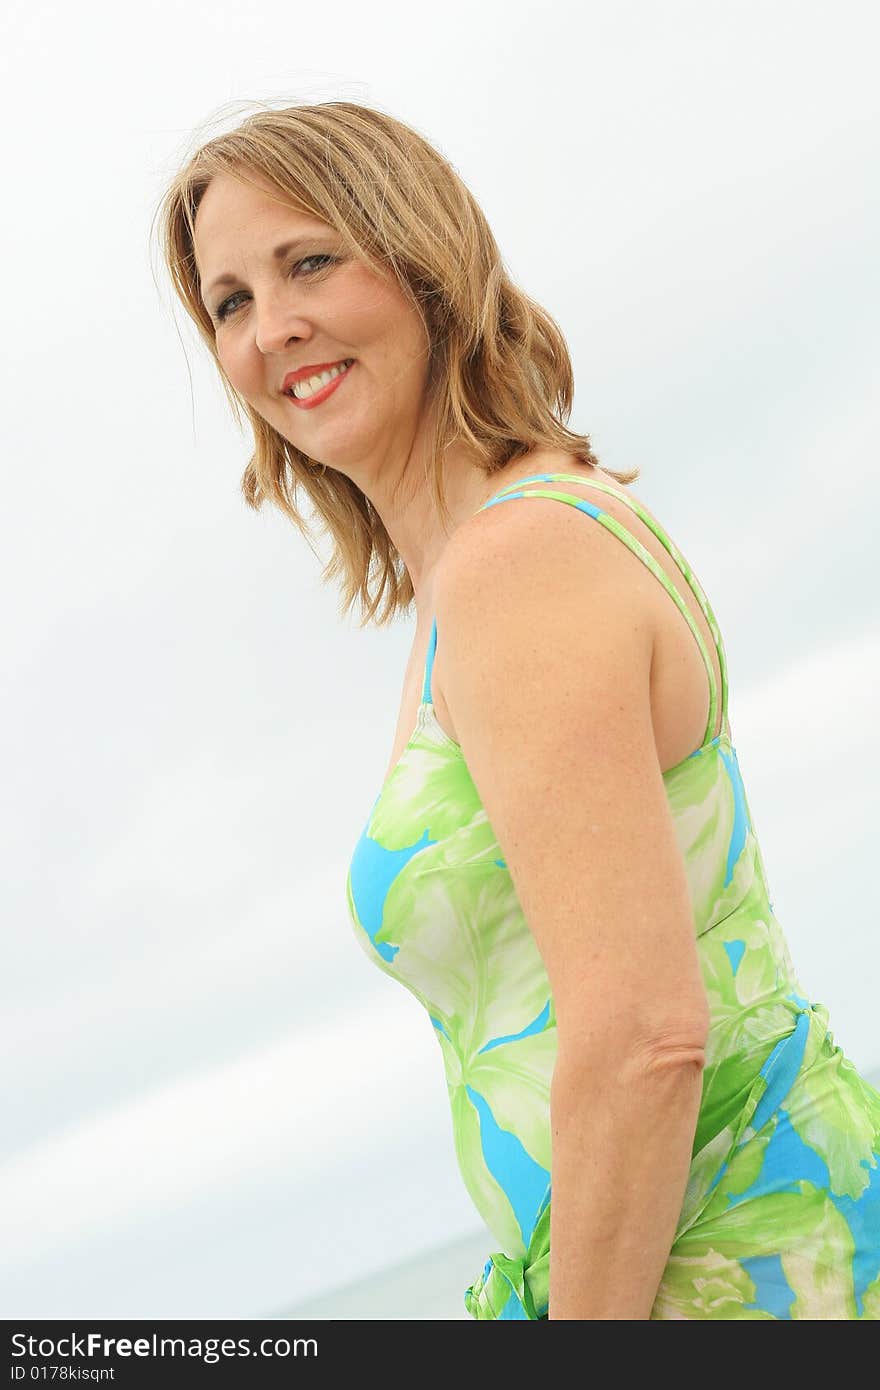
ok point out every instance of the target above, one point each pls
(500, 375)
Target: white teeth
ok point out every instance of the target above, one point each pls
(303, 389)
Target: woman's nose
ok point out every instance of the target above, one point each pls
(277, 324)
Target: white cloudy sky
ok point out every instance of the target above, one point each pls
(214, 1105)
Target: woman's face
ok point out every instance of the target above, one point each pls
(282, 306)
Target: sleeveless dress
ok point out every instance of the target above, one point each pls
(781, 1213)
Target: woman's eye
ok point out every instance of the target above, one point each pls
(306, 259)
(227, 306)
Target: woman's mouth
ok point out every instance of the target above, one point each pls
(315, 390)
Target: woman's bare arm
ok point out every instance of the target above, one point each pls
(547, 644)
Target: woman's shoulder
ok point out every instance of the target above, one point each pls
(532, 519)
(534, 561)
(626, 572)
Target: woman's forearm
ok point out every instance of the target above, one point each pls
(622, 1142)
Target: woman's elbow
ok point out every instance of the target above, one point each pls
(636, 1053)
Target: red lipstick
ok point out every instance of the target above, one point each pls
(314, 370)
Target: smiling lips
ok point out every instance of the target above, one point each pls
(315, 383)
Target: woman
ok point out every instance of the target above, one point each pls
(561, 863)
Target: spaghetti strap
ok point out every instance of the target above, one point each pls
(515, 490)
(429, 665)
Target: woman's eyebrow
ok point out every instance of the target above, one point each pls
(277, 254)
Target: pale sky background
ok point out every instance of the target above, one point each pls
(214, 1105)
